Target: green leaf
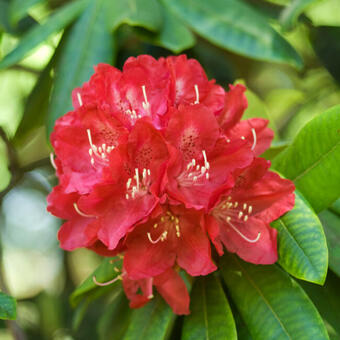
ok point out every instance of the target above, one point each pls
(7, 307)
(291, 13)
(302, 246)
(115, 319)
(152, 322)
(275, 149)
(105, 272)
(36, 106)
(331, 224)
(87, 43)
(40, 33)
(326, 44)
(143, 13)
(236, 26)
(326, 299)
(211, 317)
(312, 160)
(272, 305)
(335, 207)
(18, 8)
(174, 35)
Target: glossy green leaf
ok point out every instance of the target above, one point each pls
(211, 317)
(302, 246)
(312, 160)
(326, 299)
(174, 35)
(236, 26)
(275, 149)
(331, 224)
(115, 319)
(143, 13)
(104, 273)
(152, 322)
(272, 305)
(7, 307)
(87, 43)
(291, 13)
(40, 33)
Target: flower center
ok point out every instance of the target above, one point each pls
(167, 222)
(194, 173)
(138, 185)
(234, 213)
(98, 154)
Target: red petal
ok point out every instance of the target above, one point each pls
(172, 288)
(264, 251)
(234, 106)
(259, 142)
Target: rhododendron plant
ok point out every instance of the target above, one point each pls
(155, 164)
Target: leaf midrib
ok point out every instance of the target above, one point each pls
(312, 166)
(262, 296)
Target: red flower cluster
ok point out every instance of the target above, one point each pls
(153, 162)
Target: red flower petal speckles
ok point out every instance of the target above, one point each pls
(154, 164)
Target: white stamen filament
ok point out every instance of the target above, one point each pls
(146, 104)
(79, 99)
(197, 101)
(80, 212)
(137, 178)
(243, 236)
(52, 161)
(103, 284)
(254, 137)
(161, 238)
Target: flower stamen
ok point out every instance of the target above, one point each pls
(243, 236)
(79, 99)
(103, 284)
(254, 137)
(146, 104)
(197, 101)
(79, 212)
(161, 238)
(52, 161)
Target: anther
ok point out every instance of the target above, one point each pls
(254, 138)
(245, 219)
(250, 209)
(242, 137)
(235, 204)
(244, 206)
(240, 214)
(155, 225)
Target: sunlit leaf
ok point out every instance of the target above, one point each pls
(40, 33)
(211, 317)
(272, 305)
(291, 13)
(234, 25)
(302, 244)
(7, 307)
(312, 160)
(87, 43)
(18, 8)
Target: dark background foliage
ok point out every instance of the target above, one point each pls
(285, 51)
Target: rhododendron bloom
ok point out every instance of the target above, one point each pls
(154, 163)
